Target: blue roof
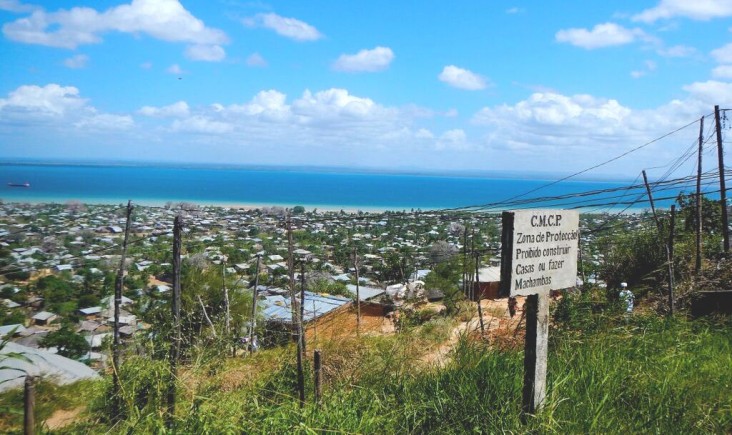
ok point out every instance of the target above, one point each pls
(277, 307)
(364, 292)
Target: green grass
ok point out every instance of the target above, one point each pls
(642, 374)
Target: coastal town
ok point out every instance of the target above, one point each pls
(59, 263)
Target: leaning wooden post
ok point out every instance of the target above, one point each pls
(29, 402)
(116, 399)
(671, 261)
(318, 375)
(722, 187)
(253, 322)
(650, 200)
(698, 263)
(175, 308)
(669, 258)
(479, 292)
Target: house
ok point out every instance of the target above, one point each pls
(489, 283)
(325, 316)
(365, 293)
(44, 318)
(13, 330)
(90, 312)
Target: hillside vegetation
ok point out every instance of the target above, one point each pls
(608, 374)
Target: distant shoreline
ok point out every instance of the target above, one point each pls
(481, 174)
(255, 206)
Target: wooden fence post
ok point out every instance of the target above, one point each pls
(29, 399)
(318, 376)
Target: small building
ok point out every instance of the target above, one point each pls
(90, 312)
(365, 293)
(11, 330)
(44, 318)
(325, 316)
(489, 283)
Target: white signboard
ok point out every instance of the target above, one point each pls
(539, 251)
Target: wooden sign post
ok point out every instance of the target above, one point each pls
(538, 254)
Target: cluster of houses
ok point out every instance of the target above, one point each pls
(81, 243)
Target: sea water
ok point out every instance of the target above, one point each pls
(325, 189)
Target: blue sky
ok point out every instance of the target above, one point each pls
(551, 86)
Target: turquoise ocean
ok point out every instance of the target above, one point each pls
(324, 189)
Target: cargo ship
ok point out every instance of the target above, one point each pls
(26, 184)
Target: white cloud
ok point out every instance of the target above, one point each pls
(514, 10)
(677, 51)
(723, 54)
(462, 78)
(288, 27)
(146, 65)
(376, 59)
(178, 109)
(722, 72)
(423, 133)
(56, 107)
(256, 60)
(694, 9)
(51, 100)
(175, 69)
(105, 122)
(602, 35)
(710, 92)
(16, 6)
(77, 61)
(455, 139)
(201, 124)
(166, 20)
(650, 66)
(208, 53)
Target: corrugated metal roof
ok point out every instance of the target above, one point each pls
(364, 292)
(277, 307)
(489, 274)
(37, 362)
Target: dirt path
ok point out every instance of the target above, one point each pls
(495, 317)
(63, 417)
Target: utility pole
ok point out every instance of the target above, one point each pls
(254, 307)
(671, 261)
(698, 263)
(116, 400)
(358, 294)
(175, 307)
(722, 187)
(295, 316)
